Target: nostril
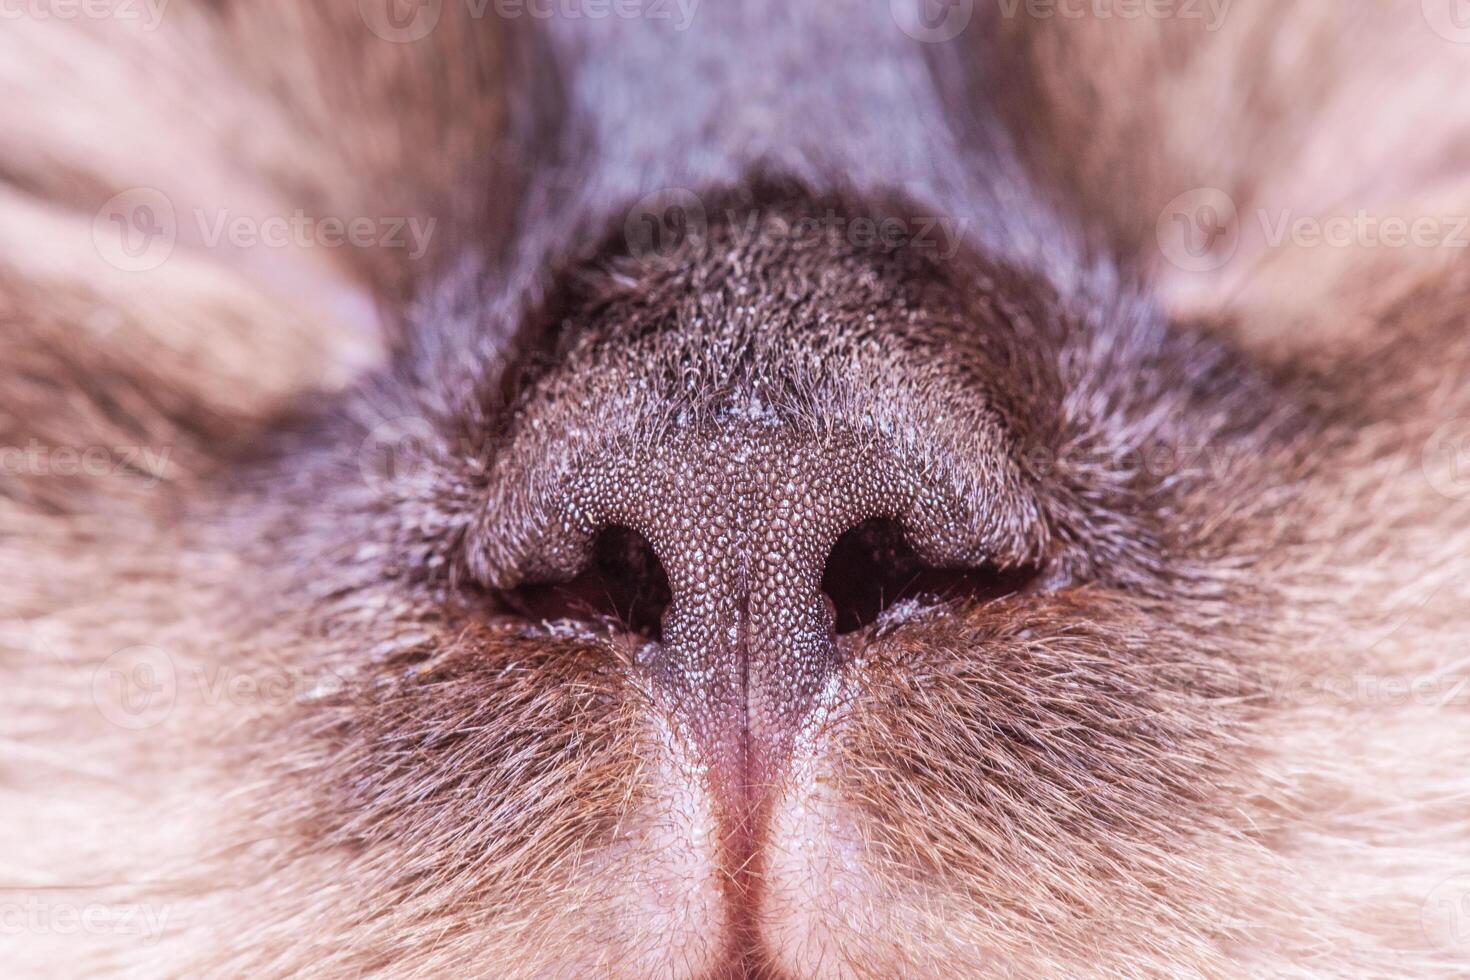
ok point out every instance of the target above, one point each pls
(872, 567)
(622, 583)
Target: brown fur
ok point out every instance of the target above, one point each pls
(1221, 736)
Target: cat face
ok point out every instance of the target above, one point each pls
(798, 521)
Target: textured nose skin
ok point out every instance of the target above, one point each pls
(741, 404)
(741, 409)
(742, 518)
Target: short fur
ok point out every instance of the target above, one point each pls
(1220, 734)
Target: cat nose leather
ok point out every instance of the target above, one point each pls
(742, 516)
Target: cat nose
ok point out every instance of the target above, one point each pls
(742, 519)
(741, 511)
(742, 503)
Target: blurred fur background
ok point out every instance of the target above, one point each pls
(1331, 836)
